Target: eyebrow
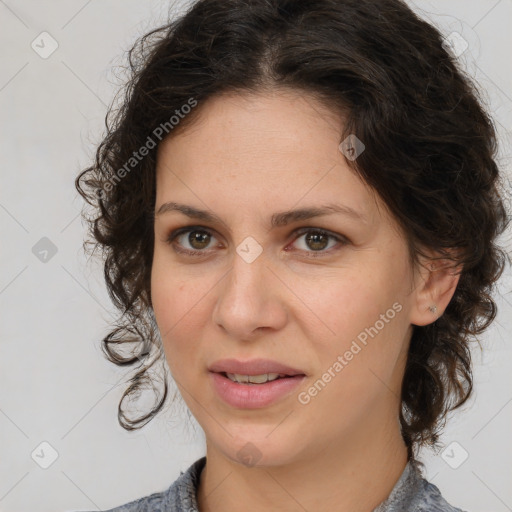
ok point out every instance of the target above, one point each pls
(277, 220)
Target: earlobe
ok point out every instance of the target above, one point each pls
(436, 283)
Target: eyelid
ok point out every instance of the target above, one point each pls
(187, 229)
(340, 239)
(343, 240)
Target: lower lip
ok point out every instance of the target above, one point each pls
(253, 396)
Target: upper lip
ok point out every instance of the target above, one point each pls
(252, 367)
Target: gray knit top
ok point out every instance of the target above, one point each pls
(411, 493)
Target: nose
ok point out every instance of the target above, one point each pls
(250, 300)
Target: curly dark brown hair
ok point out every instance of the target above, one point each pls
(430, 155)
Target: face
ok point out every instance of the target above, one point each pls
(329, 296)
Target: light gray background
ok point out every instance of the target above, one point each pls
(56, 387)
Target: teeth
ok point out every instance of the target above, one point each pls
(253, 379)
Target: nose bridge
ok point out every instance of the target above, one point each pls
(246, 283)
(247, 298)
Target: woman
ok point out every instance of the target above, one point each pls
(299, 210)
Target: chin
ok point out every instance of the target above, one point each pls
(259, 450)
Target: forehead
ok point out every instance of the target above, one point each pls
(282, 146)
(236, 125)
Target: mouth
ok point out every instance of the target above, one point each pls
(254, 368)
(253, 384)
(256, 379)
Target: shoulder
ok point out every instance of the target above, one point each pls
(179, 497)
(413, 493)
(430, 499)
(427, 497)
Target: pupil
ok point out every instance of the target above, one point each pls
(199, 239)
(313, 240)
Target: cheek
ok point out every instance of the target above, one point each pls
(169, 295)
(362, 315)
(349, 301)
(181, 303)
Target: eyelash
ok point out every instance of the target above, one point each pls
(297, 233)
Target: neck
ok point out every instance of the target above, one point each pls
(354, 474)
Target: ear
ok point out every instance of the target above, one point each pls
(435, 283)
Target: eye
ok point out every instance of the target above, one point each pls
(197, 239)
(316, 241)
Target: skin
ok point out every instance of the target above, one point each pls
(244, 158)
